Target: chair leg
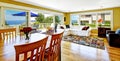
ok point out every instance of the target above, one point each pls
(48, 58)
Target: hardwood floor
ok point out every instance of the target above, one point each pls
(75, 52)
(114, 52)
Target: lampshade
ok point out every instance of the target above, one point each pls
(100, 20)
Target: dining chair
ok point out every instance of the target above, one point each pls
(31, 51)
(9, 33)
(53, 51)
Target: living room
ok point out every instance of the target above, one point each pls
(84, 17)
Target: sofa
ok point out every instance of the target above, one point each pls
(77, 30)
(113, 38)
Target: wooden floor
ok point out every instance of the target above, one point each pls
(75, 52)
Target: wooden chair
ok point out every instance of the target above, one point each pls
(8, 33)
(31, 51)
(53, 51)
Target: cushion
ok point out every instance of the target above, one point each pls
(85, 28)
(117, 31)
(61, 27)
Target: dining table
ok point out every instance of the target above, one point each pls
(7, 50)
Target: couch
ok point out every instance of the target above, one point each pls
(77, 30)
(113, 38)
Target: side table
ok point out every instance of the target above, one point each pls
(102, 31)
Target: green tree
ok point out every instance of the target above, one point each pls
(40, 18)
(49, 19)
(57, 20)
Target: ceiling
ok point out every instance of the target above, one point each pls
(73, 5)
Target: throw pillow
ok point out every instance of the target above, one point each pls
(117, 31)
(85, 28)
(61, 27)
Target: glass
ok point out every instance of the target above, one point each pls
(74, 19)
(18, 19)
(106, 17)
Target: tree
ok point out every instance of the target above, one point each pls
(40, 18)
(48, 19)
(57, 20)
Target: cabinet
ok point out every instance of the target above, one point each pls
(102, 31)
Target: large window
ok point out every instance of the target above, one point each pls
(88, 20)
(85, 19)
(45, 20)
(42, 20)
(15, 17)
(105, 19)
(94, 20)
(74, 20)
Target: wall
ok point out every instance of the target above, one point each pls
(67, 16)
(116, 18)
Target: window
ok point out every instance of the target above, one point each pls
(33, 22)
(74, 20)
(106, 19)
(42, 20)
(15, 17)
(92, 19)
(85, 19)
(88, 20)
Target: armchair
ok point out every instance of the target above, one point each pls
(113, 38)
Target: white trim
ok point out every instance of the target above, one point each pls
(112, 24)
(28, 8)
(2, 17)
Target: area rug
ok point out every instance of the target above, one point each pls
(86, 40)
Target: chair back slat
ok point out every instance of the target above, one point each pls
(31, 51)
(54, 49)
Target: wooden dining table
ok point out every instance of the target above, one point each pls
(7, 51)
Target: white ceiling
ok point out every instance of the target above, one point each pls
(73, 5)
